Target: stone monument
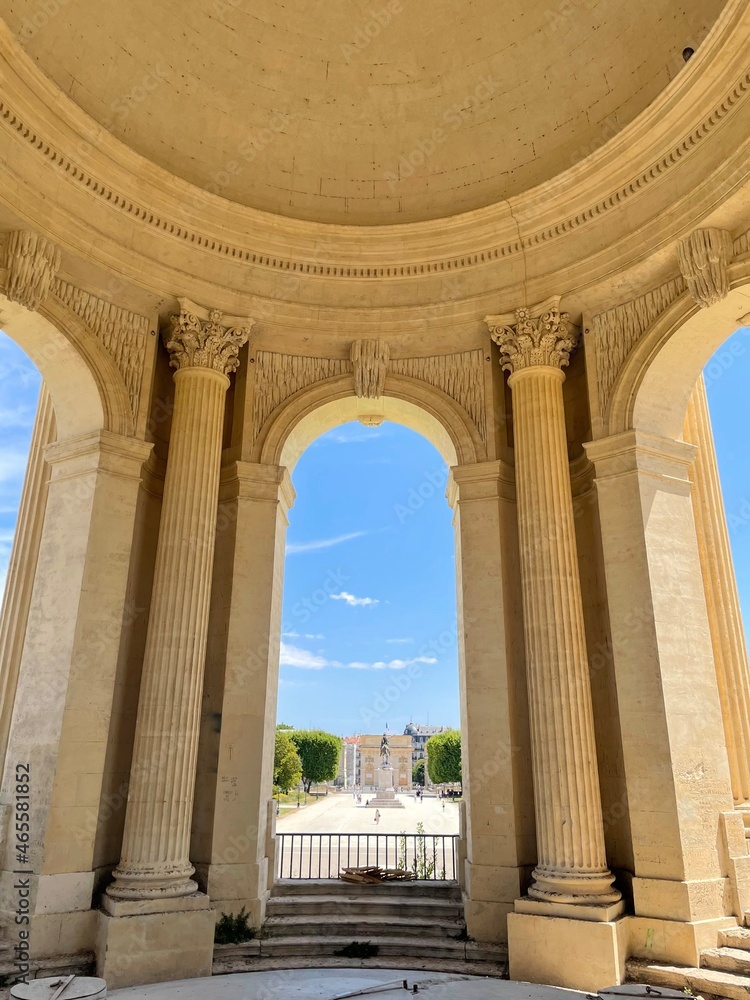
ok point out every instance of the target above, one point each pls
(386, 780)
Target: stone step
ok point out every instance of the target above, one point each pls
(389, 946)
(431, 889)
(82, 964)
(356, 927)
(421, 910)
(735, 937)
(253, 963)
(721, 984)
(735, 960)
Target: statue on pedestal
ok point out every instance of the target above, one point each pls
(385, 750)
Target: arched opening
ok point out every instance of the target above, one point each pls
(369, 648)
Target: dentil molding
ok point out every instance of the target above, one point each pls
(631, 165)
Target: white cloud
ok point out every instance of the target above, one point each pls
(304, 659)
(390, 664)
(400, 640)
(352, 601)
(293, 548)
(292, 656)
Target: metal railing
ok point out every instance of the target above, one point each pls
(324, 855)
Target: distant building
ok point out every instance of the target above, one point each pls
(348, 776)
(402, 749)
(420, 735)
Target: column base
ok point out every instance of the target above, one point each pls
(558, 951)
(572, 911)
(152, 941)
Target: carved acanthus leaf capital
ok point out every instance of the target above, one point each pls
(32, 263)
(370, 364)
(704, 258)
(206, 339)
(531, 341)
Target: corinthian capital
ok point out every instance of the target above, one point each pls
(32, 263)
(703, 258)
(546, 339)
(202, 338)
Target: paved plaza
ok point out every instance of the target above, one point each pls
(334, 984)
(338, 813)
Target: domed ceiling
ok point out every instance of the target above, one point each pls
(362, 111)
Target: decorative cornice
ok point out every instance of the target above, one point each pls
(206, 339)
(704, 258)
(123, 333)
(32, 262)
(546, 339)
(607, 168)
(617, 330)
(369, 360)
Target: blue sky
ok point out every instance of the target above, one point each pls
(369, 597)
(19, 388)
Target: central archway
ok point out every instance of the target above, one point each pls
(233, 832)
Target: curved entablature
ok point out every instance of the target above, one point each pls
(96, 191)
(87, 390)
(294, 425)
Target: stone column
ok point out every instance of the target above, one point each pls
(572, 865)
(571, 879)
(498, 806)
(155, 860)
(22, 566)
(722, 599)
(673, 751)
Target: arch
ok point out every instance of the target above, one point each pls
(87, 390)
(316, 409)
(652, 391)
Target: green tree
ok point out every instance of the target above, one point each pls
(287, 766)
(320, 754)
(284, 725)
(417, 773)
(444, 757)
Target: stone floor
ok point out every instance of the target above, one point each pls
(338, 813)
(333, 984)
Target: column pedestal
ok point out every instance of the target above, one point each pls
(173, 936)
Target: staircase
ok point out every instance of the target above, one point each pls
(414, 925)
(724, 971)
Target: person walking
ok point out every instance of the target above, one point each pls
(377, 816)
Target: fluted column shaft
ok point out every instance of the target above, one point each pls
(156, 840)
(570, 834)
(22, 565)
(572, 865)
(722, 599)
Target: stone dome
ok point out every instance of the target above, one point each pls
(362, 112)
